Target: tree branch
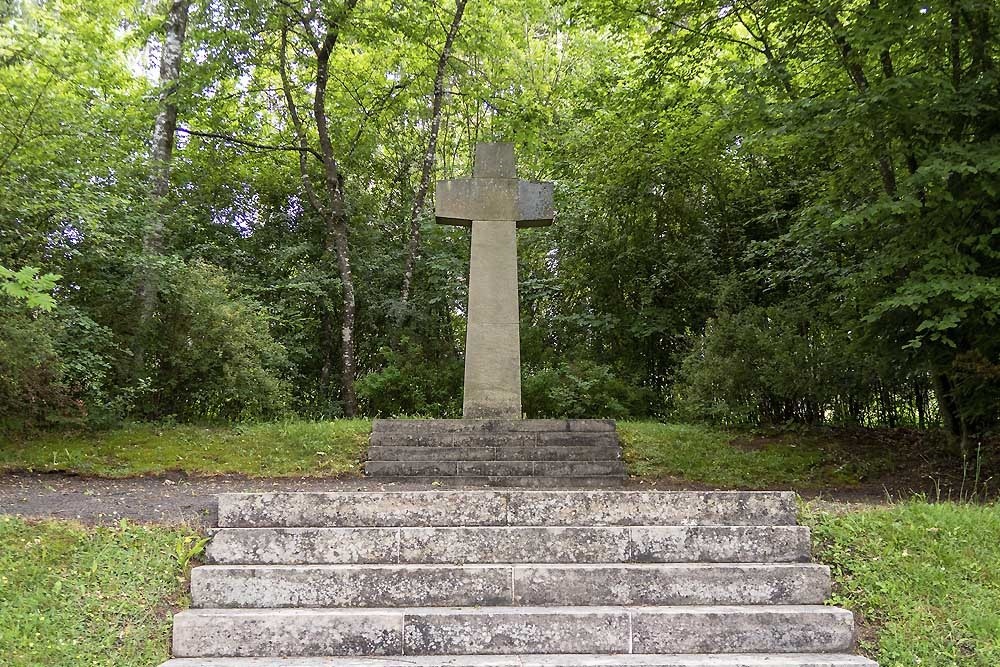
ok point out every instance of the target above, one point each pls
(249, 144)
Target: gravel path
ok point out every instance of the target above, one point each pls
(178, 498)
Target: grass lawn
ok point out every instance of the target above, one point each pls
(260, 450)
(818, 459)
(923, 579)
(72, 595)
(715, 456)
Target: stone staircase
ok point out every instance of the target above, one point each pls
(497, 452)
(511, 579)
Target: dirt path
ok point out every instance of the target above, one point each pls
(179, 498)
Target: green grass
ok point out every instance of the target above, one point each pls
(924, 580)
(712, 456)
(71, 595)
(286, 449)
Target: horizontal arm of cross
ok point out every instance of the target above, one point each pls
(460, 201)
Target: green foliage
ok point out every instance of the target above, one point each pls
(583, 389)
(33, 386)
(410, 383)
(923, 580)
(292, 448)
(215, 355)
(26, 285)
(771, 212)
(97, 596)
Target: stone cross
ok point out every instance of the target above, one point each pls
(494, 203)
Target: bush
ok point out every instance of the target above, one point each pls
(213, 356)
(33, 390)
(583, 390)
(411, 383)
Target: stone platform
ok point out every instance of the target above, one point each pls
(497, 452)
(512, 578)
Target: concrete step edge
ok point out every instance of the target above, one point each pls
(379, 586)
(509, 507)
(511, 544)
(512, 630)
(565, 660)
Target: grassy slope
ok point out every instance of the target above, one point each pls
(695, 453)
(704, 454)
(71, 595)
(280, 449)
(923, 578)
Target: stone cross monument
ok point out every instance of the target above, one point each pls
(494, 203)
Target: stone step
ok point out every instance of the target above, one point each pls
(495, 468)
(506, 508)
(496, 439)
(510, 544)
(262, 586)
(509, 481)
(423, 426)
(570, 660)
(505, 453)
(511, 631)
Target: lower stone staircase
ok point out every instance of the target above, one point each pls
(511, 579)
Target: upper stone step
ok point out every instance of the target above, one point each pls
(510, 544)
(507, 508)
(495, 439)
(494, 453)
(511, 631)
(483, 426)
(505, 468)
(570, 660)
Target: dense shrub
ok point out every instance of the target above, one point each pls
(214, 357)
(583, 389)
(411, 383)
(33, 388)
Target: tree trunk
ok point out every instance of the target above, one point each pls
(427, 168)
(164, 131)
(952, 417)
(334, 209)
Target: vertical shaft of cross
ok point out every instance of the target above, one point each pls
(494, 203)
(493, 339)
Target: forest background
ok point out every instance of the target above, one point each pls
(770, 212)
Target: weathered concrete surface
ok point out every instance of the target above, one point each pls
(718, 544)
(509, 482)
(510, 544)
(509, 507)
(515, 545)
(671, 584)
(511, 630)
(286, 632)
(520, 630)
(504, 468)
(483, 426)
(273, 586)
(571, 660)
(292, 546)
(534, 452)
(639, 508)
(404, 508)
(742, 629)
(492, 343)
(462, 439)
